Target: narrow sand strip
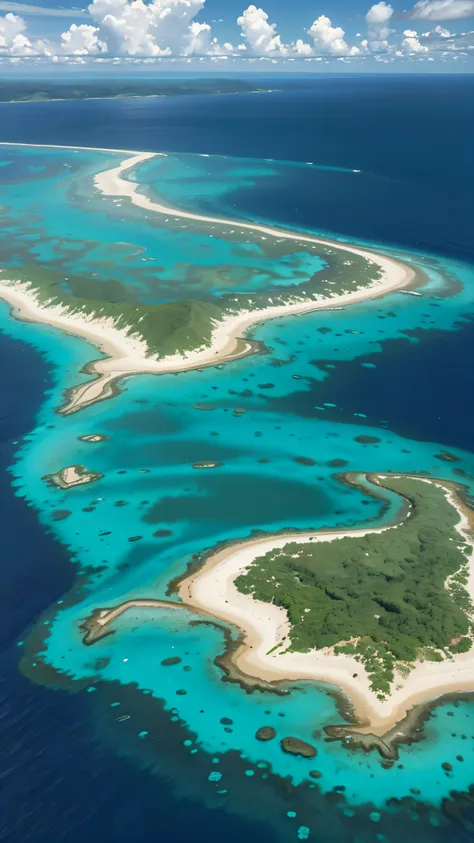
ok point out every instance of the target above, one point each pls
(111, 183)
(127, 354)
(212, 590)
(83, 148)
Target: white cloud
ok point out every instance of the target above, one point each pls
(438, 32)
(329, 39)
(131, 27)
(302, 48)
(82, 40)
(26, 9)
(261, 37)
(442, 42)
(127, 28)
(12, 39)
(200, 42)
(377, 19)
(411, 44)
(442, 9)
(379, 14)
(199, 38)
(155, 30)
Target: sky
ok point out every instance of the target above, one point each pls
(231, 35)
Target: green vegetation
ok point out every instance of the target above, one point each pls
(461, 646)
(42, 90)
(428, 654)
(170, 328)
(343, 272)
(387, 598)
(179, 326)
(173, 307)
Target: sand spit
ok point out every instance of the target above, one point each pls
(127, 353)
(96, 626)
(111, 183)
(211, 592)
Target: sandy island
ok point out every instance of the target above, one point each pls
(127, 354)
(72, 475)
(211, 592)
(264, 626)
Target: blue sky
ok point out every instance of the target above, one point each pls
(227, 35)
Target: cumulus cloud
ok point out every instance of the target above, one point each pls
(133, 28)
(377, 19)
(82, 40)
(301, 48)
(438, 32)
(160, 28)
(198, 38)
(151, 30)
(330, 39)
(442, 42)
(411, 43)
(199, 41)
(261, 36)
(12, 38)
(442, 9)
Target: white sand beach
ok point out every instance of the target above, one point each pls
(128, 354)
(73, 148)
(264, 625)
(111, 183)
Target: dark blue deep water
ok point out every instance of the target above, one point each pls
(412, 139)
(411, 136)
(424, 392)
(59, 781)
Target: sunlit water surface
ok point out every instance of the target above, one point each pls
(135, 529)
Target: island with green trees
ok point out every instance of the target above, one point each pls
(165, 321)
(388, 598)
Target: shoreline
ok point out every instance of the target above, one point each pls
(68, 146)
(127, 354)
(95, 625)
(263, 626)
(210, 592)
(110, 183)
(135, 97)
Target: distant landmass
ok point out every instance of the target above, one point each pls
(45, 90)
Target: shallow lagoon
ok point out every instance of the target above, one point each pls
(156, 432)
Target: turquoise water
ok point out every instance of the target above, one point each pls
(155, 433)
(44, 224)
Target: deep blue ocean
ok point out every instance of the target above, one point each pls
(410, 135)
(59, 781)
(412, 138)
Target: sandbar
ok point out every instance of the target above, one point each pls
(128, 354)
